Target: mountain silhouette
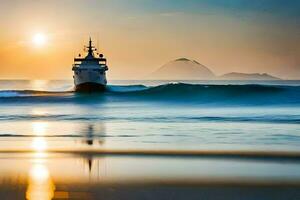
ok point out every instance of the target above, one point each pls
(244, 76)
(186, 69)
(183, 69)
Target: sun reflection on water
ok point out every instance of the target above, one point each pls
(39, 144)
(39, 84)
(40, 184)
(39, 128)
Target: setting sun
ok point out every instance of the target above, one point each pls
(39, 39)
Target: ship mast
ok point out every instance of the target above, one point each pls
(90, 48)
(90, 56)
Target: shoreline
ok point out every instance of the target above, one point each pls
(293, 155)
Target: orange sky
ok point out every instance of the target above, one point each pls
(137, 37)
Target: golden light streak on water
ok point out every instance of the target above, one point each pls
(40, 184)
(38, 111)
(39, 84)
(39, 144)
(39, 128)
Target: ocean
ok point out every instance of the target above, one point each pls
(154, 114)
(188, 132)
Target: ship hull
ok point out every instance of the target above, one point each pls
(89, 79)
(90, 87)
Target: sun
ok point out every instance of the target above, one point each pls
(39, 39)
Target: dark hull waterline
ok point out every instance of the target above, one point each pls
(90, 87)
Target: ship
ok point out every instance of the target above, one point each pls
(90, 71)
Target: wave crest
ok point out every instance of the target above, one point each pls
(175, 92)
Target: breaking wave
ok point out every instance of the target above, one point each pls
(171, 92)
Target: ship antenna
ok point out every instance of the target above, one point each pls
(98, 41)
(90, 48)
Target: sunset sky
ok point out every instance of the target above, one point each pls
(38, 39)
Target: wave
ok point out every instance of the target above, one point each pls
(171, 92)
(282, 119)
(250, 94)
(30, 93)
(126, 88)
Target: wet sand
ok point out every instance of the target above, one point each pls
(158, 191)
(45, 175)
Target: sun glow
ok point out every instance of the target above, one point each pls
(39, 128)
(39, 39)
(41, 186)
(39, 144)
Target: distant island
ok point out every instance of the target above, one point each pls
(244, 76)
(186, 69)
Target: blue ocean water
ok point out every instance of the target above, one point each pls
(185, 115)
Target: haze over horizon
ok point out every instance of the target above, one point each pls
(39, 39)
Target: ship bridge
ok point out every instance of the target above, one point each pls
(90, 60)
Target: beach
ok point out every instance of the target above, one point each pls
(132, 176)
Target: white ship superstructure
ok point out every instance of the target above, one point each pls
(90, 71)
